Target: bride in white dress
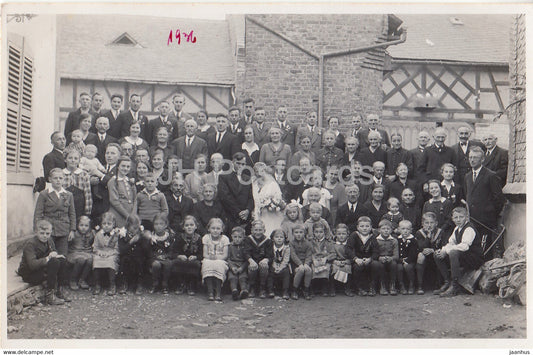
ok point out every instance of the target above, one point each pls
(269, 204)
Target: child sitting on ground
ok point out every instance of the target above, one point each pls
(160, 252)
(80, 254)
(76, 142)
(341, 268)
(40, 262)
(131, 256)
(315, 216)
(188, 264)
(323, 254)
(293, 217)
(301, 259)
(214, 264)
(238, 265)
(90, 164)
(407, 254)
(279, 269)
(258, 253)
(429, 239)
(361, 248)
(105, 254)
(387, 257)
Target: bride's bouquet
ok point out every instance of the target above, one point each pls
(272, 203)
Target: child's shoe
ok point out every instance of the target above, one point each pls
(152, 289)
(393, 291)
(244, 294)
(286, 295)
(325, 292)
(420, 291)
(348, 292)
(252, 293)
(138, 291)
(52, 300)
(262, 294)
(179, 290)
(235, 295)
(61, 295)
(112, 290)
(123, 289)
(218, 298)
(443, 288)
(363, 293)
(332, 291)
(411, 290)
(191, 290)
(164, 291)
(383, 290)
(271, 294)
(371, 292)
(97, 289)
(84, 285)
(294, 295)
(403, 291)
(73, 285)
(307, 293)
(211, 297)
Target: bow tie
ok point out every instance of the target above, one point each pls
(463, 144)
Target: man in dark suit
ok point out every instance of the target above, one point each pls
(96, 109)
(189, 146)
(100, 192)
(55, 158)
(222, 141)
(73, 119)
(280, 175)
(102, 125)
(125, 119)
(288, 131)
(235, 193)
(435, 156)
(179, 206)
(112, 115)
(418, 153)
(373, 123)
(350, 212)
(496, 158)
(178, 101)
(260, 127)
(374, 152)
(163, 120)
(358, 131)
(484, 197)
(236, 125)
(311, 130)
(249, 111)
(461, 149)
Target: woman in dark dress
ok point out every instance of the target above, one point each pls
(208, 208)
(333, 125)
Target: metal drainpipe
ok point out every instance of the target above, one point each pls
(322, 58)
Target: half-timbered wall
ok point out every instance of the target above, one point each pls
(466, 92)
(213, 99)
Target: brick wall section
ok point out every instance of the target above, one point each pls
(279, 73)
(517, 76)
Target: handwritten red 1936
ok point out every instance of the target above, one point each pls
(179, 35)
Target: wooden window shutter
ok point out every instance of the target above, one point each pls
(19, 106)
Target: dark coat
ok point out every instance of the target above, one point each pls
(462, 163)
(368, 158)
(433, 159)
(228, 146)
(188, 154)
(346, 216)
(498, 161)
(484, 196)
(177, 211)
(124, 122)
(54, 159)
(155, 124)
(102, 145)
(235, 197)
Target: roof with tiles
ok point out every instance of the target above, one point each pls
(86, 50)
(460, 38)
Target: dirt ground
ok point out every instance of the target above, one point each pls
(179, 317)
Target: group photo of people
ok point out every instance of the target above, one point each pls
(246, 203)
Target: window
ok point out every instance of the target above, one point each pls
(19, 107)
(126, 40)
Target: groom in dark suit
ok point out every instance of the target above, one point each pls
(222, 141)
(235, 194)
(484, 197)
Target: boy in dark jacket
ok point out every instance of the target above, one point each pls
(407, 253)
(258, 253)
(238, 265)
(386, 257)
(361, 247)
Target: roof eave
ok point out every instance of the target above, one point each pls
(228, 83)
(447, 62)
